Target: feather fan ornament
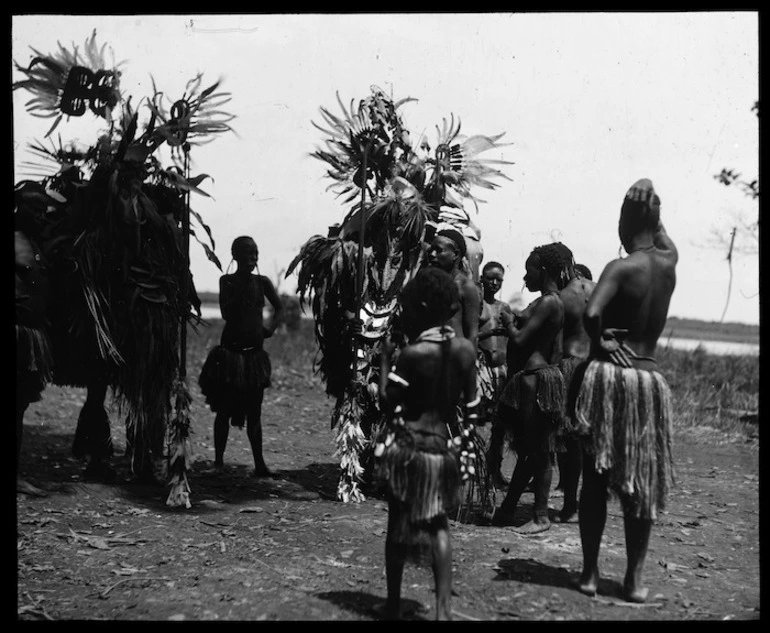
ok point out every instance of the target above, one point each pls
(69, 82)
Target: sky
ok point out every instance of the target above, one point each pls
(588, 104)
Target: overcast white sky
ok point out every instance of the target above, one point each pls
(590, 102)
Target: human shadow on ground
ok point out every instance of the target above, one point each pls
(530, 571)
(369, 605)
(47, 462)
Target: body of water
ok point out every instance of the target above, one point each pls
(210, 312)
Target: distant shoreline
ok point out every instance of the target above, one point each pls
(675, 327)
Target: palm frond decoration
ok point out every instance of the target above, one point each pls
(116, 235)
(405, 186)
(69, 82)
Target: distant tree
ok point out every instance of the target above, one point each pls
(744, 230)
(743, 236)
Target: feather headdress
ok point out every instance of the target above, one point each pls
(406, 186)
(68, 82)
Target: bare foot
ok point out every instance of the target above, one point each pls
(565, 517)
(534, 527)
(638, 596)
(588, 583)
(263, 472)
(27, 488)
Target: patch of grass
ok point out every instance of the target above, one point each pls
(709, 390)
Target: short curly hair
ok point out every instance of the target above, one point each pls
(556, 259)
(432, 296)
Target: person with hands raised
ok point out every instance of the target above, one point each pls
(622, 404)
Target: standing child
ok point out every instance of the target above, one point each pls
(491, 364)
(420, 464)
(237, 371)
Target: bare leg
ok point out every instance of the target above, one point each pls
(637, 541)
(254, 432)
(394, 571)
(522, 473)
(442, 574)
(570, 465)
(221, 433)
(592, 515)
(543, 473)
(23, 486)
(495, 454)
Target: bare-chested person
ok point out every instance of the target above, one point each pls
(491, 365)
(446, 252)
(532, 401)
(576, 345)
(420, 465)
(624, 403)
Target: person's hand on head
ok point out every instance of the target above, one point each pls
(643, 192)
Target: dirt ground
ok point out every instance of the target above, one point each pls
(285, 549)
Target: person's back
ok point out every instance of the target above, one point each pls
(420, 469)
(633, 294)
(642, 300)
(575, 340)
(436, 376)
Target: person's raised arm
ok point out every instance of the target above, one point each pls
(272, 296)
(662, 241)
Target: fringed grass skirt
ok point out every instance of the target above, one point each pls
(626, 417)
(232, 380)
(489, 382)
(422, 487)
(538, 431)
(571, 370)
(34, 363)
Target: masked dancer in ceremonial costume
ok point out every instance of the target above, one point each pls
(532, 403)
(623, 403)
(419, 461)
(396, 189)
(116, 239)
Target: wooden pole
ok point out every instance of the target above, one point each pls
(185, 287)
(361, 236)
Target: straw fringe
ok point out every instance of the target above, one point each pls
(422, 488)
(626, 415)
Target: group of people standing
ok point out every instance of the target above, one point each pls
(571, 379)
